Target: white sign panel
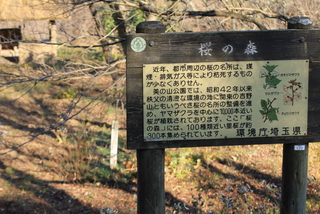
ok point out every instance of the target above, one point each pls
(216, 100)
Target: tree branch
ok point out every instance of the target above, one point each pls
(212, 13)
(219, 13)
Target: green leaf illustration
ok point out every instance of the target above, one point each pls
(264, 86)
(268, 81)
(270, 75)
(270, 68)
(274, 81)
(262, 112)
(264, 105)
(272, 116)
(268, 112)
(273, 110)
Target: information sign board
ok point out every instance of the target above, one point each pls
(217, 100)
(222, 88)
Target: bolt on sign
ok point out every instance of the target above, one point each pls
(225, 88)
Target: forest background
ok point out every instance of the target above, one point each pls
(56, 114)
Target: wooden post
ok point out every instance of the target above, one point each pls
(151, 181)
(52, 31)
(151, 192)
(114, 144)
(295, 157)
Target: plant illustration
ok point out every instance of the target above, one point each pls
(270, 76)
(292, 93)
(268, 112)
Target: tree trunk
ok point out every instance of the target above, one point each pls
(121, 30)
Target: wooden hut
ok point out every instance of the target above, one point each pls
(20, 11)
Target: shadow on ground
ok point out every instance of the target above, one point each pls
(45, 198)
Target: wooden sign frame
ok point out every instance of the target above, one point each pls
(212, 47)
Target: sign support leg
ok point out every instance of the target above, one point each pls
(294, 178)
(151, 193)
(295, 158)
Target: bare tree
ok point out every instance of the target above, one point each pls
(112, 20)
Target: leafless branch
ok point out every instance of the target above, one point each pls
(69, 113)
(219, 13)
(9, 41)
(234, 13)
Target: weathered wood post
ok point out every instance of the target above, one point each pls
(151, 194)
(295, 157)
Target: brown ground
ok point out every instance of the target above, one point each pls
(38, 177)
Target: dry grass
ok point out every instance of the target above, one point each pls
(67, 170)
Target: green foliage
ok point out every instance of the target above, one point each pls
(107, 21)
(10, 171)
(67, 53)
(89, 159)
(132, 17)
(95, 55)
(183, 162)
(66, 93)
(137, 16)
(42, 87)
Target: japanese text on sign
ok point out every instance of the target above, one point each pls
(225, 100)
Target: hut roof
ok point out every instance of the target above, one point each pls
(23, 10)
